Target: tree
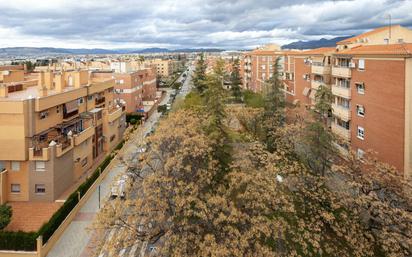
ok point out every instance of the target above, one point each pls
(5, 215)
(199, 76)
(274, 108)
(236, 80)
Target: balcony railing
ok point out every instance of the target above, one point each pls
(341, 91)
(342, 112)
(320, 69)
(341, 131)
(341, 71)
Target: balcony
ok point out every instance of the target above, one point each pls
(83, 136)
(68, 116)
(341, 112)
(100, 101)
(39, 154)
(114, 114)
(65, 145)
(341, 91)
(321, 70)
(315, 84)
(341, 71)
(341, 131)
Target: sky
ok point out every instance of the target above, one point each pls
(176, 24)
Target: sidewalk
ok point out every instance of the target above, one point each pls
(77, 236)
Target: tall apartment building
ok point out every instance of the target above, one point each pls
(258, 66)
(371, 80)
(132, 87)
(52, 130)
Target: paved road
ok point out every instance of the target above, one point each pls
(74, 241)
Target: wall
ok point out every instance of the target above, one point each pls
(384, 102)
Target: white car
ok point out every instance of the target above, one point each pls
(119, 188)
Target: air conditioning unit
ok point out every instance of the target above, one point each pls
(352, 65)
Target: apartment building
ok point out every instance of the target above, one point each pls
(259, 65)
(312, 69)
(132, 87)
(372, 88)
(370, 78)
(53, 131)
(164, 68)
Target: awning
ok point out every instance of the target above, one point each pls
(306, 91)
(71, 106)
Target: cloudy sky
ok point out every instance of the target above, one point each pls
(230, 24)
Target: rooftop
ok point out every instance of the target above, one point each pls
(391, 49)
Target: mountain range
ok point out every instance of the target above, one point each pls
(323, 42)
(36, 51)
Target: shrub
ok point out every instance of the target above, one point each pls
(5, 215)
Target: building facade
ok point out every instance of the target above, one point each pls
(53, 131)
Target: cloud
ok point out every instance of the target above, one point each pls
(195, 23)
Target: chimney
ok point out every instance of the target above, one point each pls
(4, 91)
(48, 79)
(76, 79)
(40, 81)
(59, 82)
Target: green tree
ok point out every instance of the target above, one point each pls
(5, 215)
(199, 76)
(274, 108)
(317, 148)
(236, 80)
(215, 106)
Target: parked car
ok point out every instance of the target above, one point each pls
(119, 188)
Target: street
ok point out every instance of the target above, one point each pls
(77, 238)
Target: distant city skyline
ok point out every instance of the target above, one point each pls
(243, 24)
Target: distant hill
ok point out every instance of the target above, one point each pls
(36, 51)
(323, 42)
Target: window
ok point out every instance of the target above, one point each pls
(2, 166)
(44, 115)
(80, 100)
(360, 110)
(39, 189)
(58, 109)
(400, 40)
(90, 97)
(40, 166)
(15, 188)
(360, 153)
(84, 161)
(361, 133)
(263, 67)
(386, 40)
(263, 76)
(361, 64)
(360, 87)
(15, 166)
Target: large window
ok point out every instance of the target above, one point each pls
(361, 133)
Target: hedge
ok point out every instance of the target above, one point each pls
(26, 241)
